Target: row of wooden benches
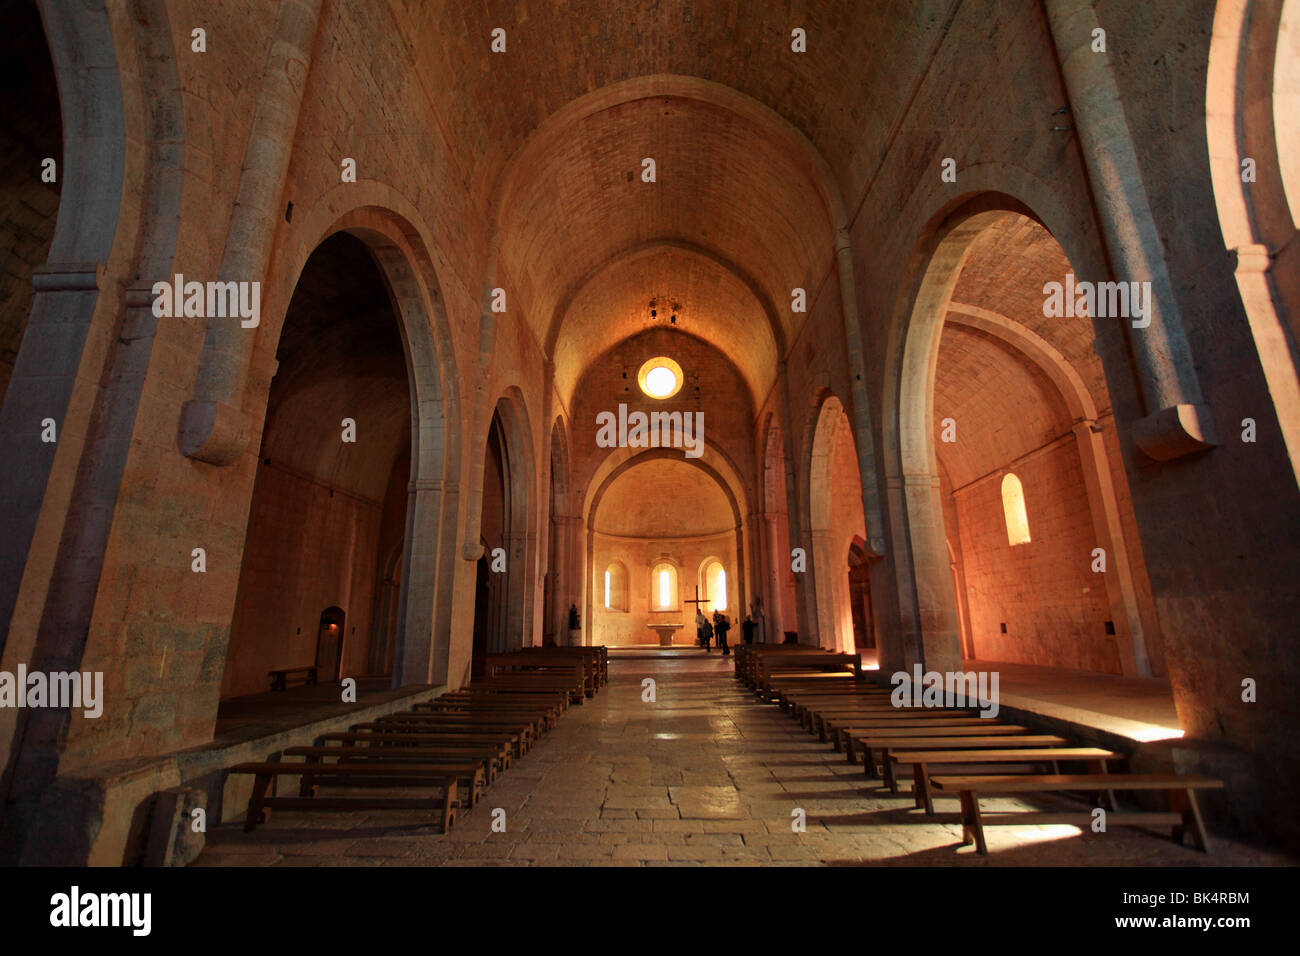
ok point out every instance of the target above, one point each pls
(454, 745)
(830, 698)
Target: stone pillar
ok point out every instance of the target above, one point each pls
(933, 639)
(413, 654)
(1177, 422)
(1121, 591)
(213, 425)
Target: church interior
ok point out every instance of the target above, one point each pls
(611, 403)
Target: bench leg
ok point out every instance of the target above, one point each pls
(448, 804)
(921, 786)
(1184, 801)
(889, 770)
(869, 763)
(476, 787)
(306, 788)
(256, 812)
(1099, 766)
(971, 825)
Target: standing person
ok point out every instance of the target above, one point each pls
(748, 627)
(708, 636)
(700, 622)
(721, 628)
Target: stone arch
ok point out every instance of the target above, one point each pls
(521, 532)
(557, 595)
(781, 611)
(929, 631)
(395, 243)
(1252, 81)
(811, 163)
(702, 579)
(117, 86)
(931, 623)
(832, 520)
(713, 463)
(648, 249)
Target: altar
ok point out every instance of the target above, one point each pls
(666, 632)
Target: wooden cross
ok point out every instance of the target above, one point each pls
(697, 600)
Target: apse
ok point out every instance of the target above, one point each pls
(664, 534)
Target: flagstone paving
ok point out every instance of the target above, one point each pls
(702, 775)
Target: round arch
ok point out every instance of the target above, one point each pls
(828, 539)
(521, 535)
(713, 463)
(1253, 81)
(422, 644)
(931, 626)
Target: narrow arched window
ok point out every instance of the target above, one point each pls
(1013, 507)
(714, 581)
(663, 587)
(616, 587)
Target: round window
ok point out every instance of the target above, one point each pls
(660, 377)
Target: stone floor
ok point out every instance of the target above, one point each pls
(704, 774)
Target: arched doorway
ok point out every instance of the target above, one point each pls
(493, 569)
(329, 644)
(864, 628)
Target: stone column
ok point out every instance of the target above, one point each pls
(413, 654)
(933, 639)
(1121, 591)
(1177, 422)
(213, 425)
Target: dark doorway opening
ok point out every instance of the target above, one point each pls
(864, 631)
(329, 644)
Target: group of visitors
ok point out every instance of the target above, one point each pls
(706, 630)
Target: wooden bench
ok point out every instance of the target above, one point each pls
(439, 776)
(468, 747)
(1184, 815)
(529, 725)
(516, 740)
(778, 672)
(885, 741)
(395, 723)
(825, 722)
(483, 764)
(801, 706)
(747, 657)
(280, 678)
(549, 715)
(955, 727)
(922, 760)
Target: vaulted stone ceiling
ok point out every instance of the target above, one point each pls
(711, 303)
(754, 146)
(628, 510)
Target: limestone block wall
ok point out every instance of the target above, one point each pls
(612, 626)
(1053, 605)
